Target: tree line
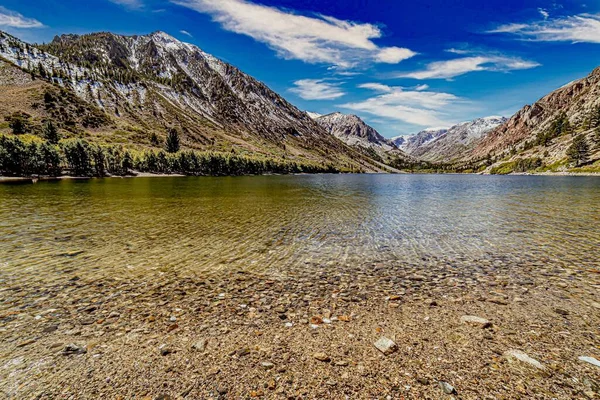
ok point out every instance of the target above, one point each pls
(30, 155)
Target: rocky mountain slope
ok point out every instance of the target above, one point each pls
(457, 140)
(410, 143)
(545, 130)
(356, 133)
(352, 130)
(138, 87)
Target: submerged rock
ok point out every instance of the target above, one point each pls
(476, 321)
(446, 387)
(74, 349)
(386, 346)
(322, 357)
(519, 355)
(590, 360)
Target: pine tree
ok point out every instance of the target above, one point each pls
(172, 145)
(51, 133)
(578, 153)
(126, 163)
(18, 123)
(154, 139)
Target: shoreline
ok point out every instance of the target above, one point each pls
(25, 180)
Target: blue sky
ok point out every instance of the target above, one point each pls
(402, 66)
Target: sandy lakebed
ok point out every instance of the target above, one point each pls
(241, 335)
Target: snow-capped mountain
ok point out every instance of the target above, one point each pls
(443, 145)
(354, 131)
(410, 143)
(458, 139)
(152, 82)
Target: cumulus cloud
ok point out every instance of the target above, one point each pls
(417, 107)
(393, 55)
(312, 39)
(317, 89)
(451, 68)
(577, 28)
(12, 19)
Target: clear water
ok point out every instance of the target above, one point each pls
(289, 224)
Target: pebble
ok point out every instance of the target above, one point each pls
(26, 343)
(446, 387)
(74, 349)
(498, 300)
(561, 311)
(267, 365)
(200, 345)
(476, 321)
(590, 360)
(519, 355)
(322, 357)
(164, 350)
(386, 346)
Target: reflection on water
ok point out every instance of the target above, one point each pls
(282, 224)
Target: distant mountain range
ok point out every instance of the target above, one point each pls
(445, 145)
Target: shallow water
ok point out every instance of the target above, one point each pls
(284, 224)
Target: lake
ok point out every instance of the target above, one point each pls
(283, 225)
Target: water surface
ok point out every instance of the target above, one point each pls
(283, 224)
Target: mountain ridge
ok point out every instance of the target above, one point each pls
(153, 82)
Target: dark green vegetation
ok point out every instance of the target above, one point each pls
(30, 155)
(579, 151)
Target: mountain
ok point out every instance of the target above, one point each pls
(410, 143)
(541, 134)
(129, 89)
(457, 140)
(353, 131)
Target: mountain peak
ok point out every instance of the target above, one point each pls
(164, 37)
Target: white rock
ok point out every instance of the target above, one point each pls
(386, 346)
(474, 320)
(590, 360)
(519, 355)
(446, 387)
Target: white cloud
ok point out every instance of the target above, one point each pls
(423, 108)
(577, 28)
(459, 66)
(317, 89)
(544, 13)
(421, 87)
(186, 33)
(378, 87)
(13, 19)
(393, 55)
(129, 3)
(312, 39)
